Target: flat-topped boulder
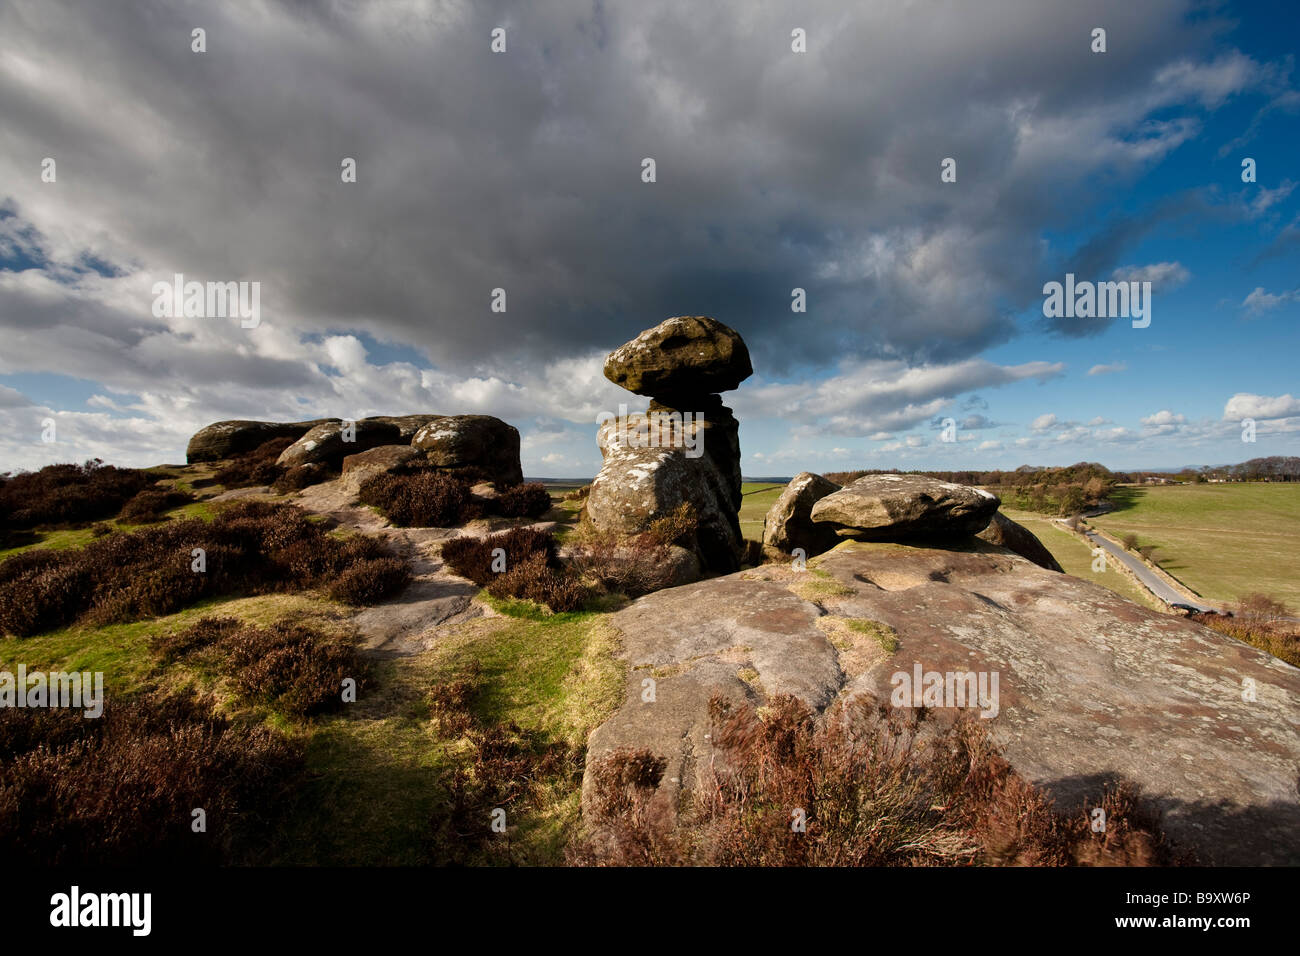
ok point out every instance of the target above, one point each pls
(1016, 537)
(473, 445)
(899, 507)
(683, 356)
(330, 442)
(789, 523)
(227, 439)
(1092, 689)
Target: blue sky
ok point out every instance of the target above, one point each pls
(775, 170)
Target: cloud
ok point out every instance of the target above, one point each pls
(880, 396)
(1107, 369)
(1163, 276)
(1043, 422)
(1262, 407)
(1260, 301)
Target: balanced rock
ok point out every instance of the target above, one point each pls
(899, 507)
(686, 447)
(789, 523)
(330, 442)
(230, 438)
(687, 355)
(473, 445)
(1008, 534)
(641, 483)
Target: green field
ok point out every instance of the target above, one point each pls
(1075, 555)
(1221, 540)
(753, 507)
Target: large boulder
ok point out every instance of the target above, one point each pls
(227, 439)
(1091, 687)
(899, 507)
(641, 481)
(789, 523)
(1006, 533)
(473, 445)
(407, 425)
(329, 443)
(376, 461)
(688, 355)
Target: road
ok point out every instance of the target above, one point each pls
(1150, 580)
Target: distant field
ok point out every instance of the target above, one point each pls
(1075, 556)
(1220, 540)
(758, 498)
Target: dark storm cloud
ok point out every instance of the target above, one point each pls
(522, 170)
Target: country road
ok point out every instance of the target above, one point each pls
(1150, 581)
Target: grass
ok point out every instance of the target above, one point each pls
(758, 498)
(380, 770)
(63, 538)
(121, 651)
(1075, 556)
(1221, 540)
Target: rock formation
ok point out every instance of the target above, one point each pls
(228, 439)
(1016, 537)
(686, 448)
(477, 445)
(1092, 688)
(789, 523)
(899, 507)
(469, 445)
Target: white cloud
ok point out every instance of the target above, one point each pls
(1261, 301)
(1262, 407)
(1163, 276)
(1107, 369)
(1043, 422)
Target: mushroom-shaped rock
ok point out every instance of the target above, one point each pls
(683, 356)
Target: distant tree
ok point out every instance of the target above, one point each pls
(1130, 541)
(1072, 500)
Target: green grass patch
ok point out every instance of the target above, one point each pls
(758, 498)
(1074, 555)
(1221, 540)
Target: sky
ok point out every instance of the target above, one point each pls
(127, 157)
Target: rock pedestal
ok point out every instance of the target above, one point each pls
(686, 447)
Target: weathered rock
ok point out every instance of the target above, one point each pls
(899, 507)
(1016, 537)
(638, 485)
(687, 355)
(478, 445)
(407, 425)
(1091, 687)
(325, 445)
(789, 523)
(228, 439)
(376, 461)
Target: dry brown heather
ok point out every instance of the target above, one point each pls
(868, 786)
(249, 548)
